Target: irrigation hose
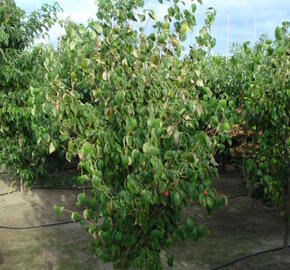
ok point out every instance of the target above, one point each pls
(49, 188)
(247, 257)
(215, 268)
(86, 188)
(61, 188)
(7, 193)
(237, 196)
(38, 226)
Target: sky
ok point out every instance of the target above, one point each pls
(268, 14)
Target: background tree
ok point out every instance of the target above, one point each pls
(266, 112)
(21, 66)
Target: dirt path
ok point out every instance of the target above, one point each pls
(243, 227)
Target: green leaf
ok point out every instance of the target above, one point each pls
(214, 121)
(155, 59)
(98, 28)
(146, 147)
(176, 198)
(223, 103)
(125, 161)
(183, 29)
(131, 123)
(131, 184)
(226, 127)
(199, 83)
(157, 234)
(72, 45)
(142, 17)
(135, 154)
(278, 32)
(86, 214)
(58, 210)
(154, 151)
(166, 27)
(82, 198)
(71, 147)
(51, 148)
(170, 260)
(153, 15)
(120, 97)
(75, 216)
(189, 224)
(68, 156)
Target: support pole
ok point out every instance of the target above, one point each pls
(286, 190)
(255, 31)
(228, 29)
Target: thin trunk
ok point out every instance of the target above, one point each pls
(286, 202)
(244, 158)
(244, 176)
(21, 185)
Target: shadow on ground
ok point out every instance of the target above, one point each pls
(1, 259)
(243, 227)
(51, 248)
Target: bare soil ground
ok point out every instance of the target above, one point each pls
(243, 227)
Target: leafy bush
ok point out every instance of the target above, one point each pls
(21, 66)
(261, 89)
(141, 117)
(138, 119)
(266, 112)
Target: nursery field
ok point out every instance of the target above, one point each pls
(244, 227)
(129, 144)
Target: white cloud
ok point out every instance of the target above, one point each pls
(77, 10)
(269, 14)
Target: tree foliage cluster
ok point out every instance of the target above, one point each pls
(21, 66)
(142, 117)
